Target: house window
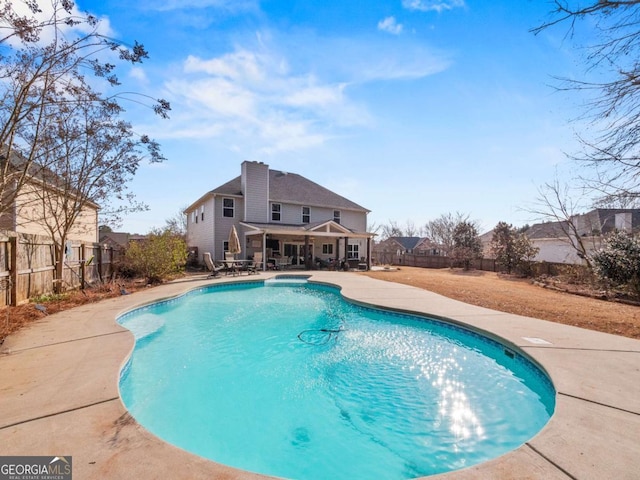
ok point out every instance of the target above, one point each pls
(202, 213)
(225, 246)
(353, 251)
(306, 215)
(336, 216)
(275, 212)
(228, 207)
(327, 248)
(193, 217)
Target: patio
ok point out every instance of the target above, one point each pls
(60, 390)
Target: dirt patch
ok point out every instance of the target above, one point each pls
(523, 297)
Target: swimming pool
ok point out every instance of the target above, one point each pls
(295, 382)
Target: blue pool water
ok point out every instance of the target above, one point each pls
(293, 381)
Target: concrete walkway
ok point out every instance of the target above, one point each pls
(59, 391)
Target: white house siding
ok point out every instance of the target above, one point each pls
(255, 188)
(291, 214)
(356, 221)
(200, 233)
(556, 250)
(224, 224)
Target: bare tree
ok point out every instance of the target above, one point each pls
(411, 230)
(391, 229)
(177, 223)
(42, 57)
(556, 203)
(91, 156)
(612, 98)
(440, 231)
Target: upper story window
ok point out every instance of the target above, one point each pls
(306, 214)
(202, 213)
(228, 207)
(336, 216)
(276, 210)
(193, 217)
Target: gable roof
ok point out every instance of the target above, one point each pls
(327, 228)
(547, 230)
(288, 187)
(407, 243)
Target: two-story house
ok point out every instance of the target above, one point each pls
(37, 208)
(281, 214)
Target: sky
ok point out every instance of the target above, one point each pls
(410, 108)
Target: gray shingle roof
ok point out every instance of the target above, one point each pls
(293, 188)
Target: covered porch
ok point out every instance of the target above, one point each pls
(326, 245)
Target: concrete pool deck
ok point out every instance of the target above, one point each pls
(59, 391)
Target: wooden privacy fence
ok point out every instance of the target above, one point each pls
(486, 264)
(27, 266)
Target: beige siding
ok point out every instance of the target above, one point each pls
(31, 213)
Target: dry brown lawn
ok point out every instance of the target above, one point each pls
(520, 296)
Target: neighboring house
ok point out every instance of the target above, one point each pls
(119, 240)
(553, 241)
(281, 214)
(27, 211)
(389, 250)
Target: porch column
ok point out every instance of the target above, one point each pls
(337, 250)
(368, 253)
(264, 251)
(307, 262)
(346, 258)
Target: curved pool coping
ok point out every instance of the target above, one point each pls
(59, 389)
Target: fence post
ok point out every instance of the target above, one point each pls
(13, 270)
(82, 266)
(99, 261)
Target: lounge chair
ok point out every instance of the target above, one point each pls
(212, 267)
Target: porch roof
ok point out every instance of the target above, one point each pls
(319, 229)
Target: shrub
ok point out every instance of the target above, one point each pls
(512, 249)
(160, 255)
(617, 262)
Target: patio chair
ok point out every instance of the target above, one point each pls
(256, 265)
(212, 267)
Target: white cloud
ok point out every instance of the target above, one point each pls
(253, 95)
(432, 5)
(271, 99)
(139, 74)
(390, 25)
(46, 13)
(241, 66)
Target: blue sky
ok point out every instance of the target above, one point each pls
(411, 108)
